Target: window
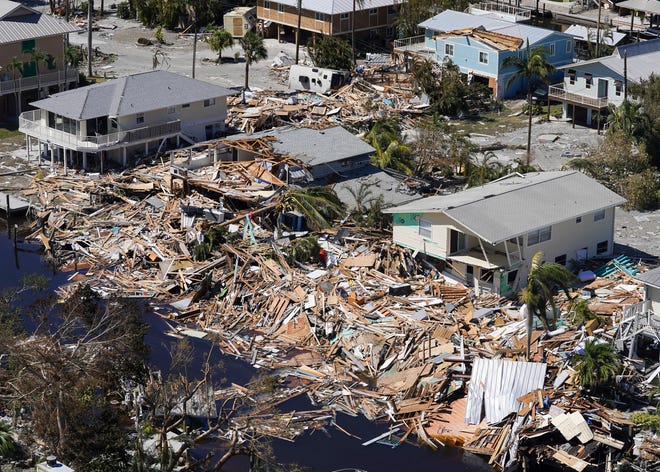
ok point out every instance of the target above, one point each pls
(280, 8)
(483, 57)
(589, 80)
(578, 219)
(456, 241)
(449, 49)
(318, 16)
(569, 45)
(571, 76)
(551, 49)
(171, 110)
(599, 215)
(209, 102)
(266, 4)
(139, 119)
(185, 105)
(343, 16)
(618, 87)
(539, 236)
(28, 45)
(602, 247)
(425, 229)
(561, 259)
(373, 11)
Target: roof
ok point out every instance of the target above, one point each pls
(498, 41)
(609, 38)
(379, 184)
(137, 93)
(643, 59)
(500, 382)
(314, 146)
(18, 22)
(648, 6)
(450, 20)
(333, 7)
(517, 204)
(652, 278)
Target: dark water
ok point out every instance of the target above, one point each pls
(322, 451)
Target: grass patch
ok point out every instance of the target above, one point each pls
(9, 130)
(491, 123)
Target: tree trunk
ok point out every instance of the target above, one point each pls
(247, 73)
(353, 34)
(529, 125)
(298, 30)
(90, 9)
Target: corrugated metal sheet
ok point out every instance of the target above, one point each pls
(498, 383)
(36, 25)
(652, 277)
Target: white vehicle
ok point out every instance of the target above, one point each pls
(316, 79)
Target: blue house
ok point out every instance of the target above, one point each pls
(479, 44)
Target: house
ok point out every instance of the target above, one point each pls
(486, 236)
(590, 86)
(585, 40)
(126, 117)
(240, 20)
(479, 44)
(374, 19)
(22, 31)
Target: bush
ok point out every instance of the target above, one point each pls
(648, 421)
(642, 190)
(124, 10)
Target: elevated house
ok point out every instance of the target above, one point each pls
(589, 87)
(486, 236)
(479, 43)
(125, 118)
(374, 19)
(24, 30)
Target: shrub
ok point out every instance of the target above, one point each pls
(124, 10)
(642, 190)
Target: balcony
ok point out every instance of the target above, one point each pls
(414, 44)
(557, 92)
(22, 84)
(30, 123)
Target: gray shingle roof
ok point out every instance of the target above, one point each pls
(18, 22)
(312, 146)
(450, 20)
(517, 204)
(652, 277)
(333, 7)
(137, 93)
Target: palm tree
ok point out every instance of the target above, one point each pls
(73, 57)
(255, 51)
(363, 196)
(219, 40)
(38, 56)
(542, 281)
(597, 365)
(486, 169)
(319, 205)
(356, 3)
(16, 68)
(530, 66)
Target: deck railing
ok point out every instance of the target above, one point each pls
(558, 92)
(23, 84)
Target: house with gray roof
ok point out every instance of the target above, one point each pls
(589, 87)
(486, 236)
(125, 118)
(479, 43)
(374, 19)
(23, 30)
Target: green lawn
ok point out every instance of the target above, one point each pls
(8, 130)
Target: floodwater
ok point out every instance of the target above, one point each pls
(322, 451)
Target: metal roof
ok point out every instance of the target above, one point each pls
(314, 146)
(333, 7)
(379, 184)
(643, 60)
(517, 204)
(652, 277)
(450, 20)
(137, 93)
(609, 38)
(500, 382)
(18, 22)
(648, 6)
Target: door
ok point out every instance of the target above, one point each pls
(602, 88)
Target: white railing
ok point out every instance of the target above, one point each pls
(30, 123)
(557, 92)
(512, 10)
(412, 43)
(43, 80)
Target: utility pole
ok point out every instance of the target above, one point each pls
(298, 30)
(194, 52)
(600, 8)
(625, 76)
(90, 8)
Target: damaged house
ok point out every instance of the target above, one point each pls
(486, 236)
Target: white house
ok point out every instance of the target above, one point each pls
(641, 321)
(590, 86)
(126, 117)
(487, 236)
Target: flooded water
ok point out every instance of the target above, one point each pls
(323, 451)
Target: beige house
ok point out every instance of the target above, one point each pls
(374, 19)
(124, 118)
(486, 236)
(22, 31)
